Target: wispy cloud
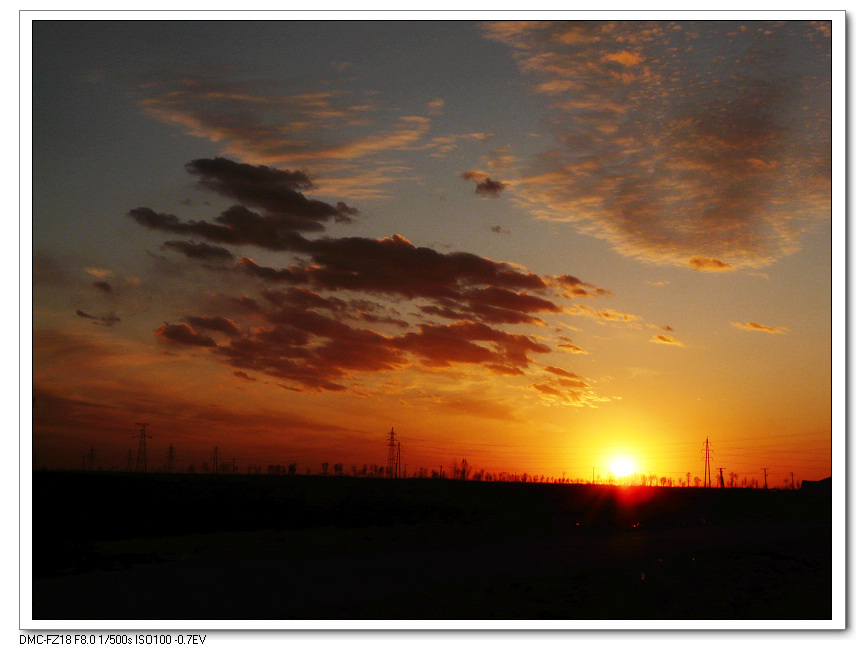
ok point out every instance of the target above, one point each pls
(751, 326)
(666, 340)
(252, 122)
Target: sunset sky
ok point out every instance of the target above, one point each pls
(539, 246)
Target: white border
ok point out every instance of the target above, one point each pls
(839, 329)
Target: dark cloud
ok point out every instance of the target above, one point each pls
(312, 350)
(490, 188)
(484, 185)
(185, 335)
(317, 351)
(106, 319)
(273, 190)
(463, 286)
(442, 345)
(236, 226)
(102, 286)
(298, 331)
(201, 251)
(291, 275)
(243, 375)
(214, 323)
(396, 266)
(285, 210)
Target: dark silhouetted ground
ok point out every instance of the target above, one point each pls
(204, 547)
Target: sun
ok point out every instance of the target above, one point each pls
(622, 467)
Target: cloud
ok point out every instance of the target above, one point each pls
(757, 327)
(352, 305)
(107, 319)
(273, 190)
(102, 286)
(670, 155)
(201, 251)
(570, 347)
(560, 372)
(708, 264)
(214, 323)
(484, 185)
(334, 128)
(461, 286)
(243, 375)
(572, 287)
(666, 340)
(184, 334)
(566, 396)
(442, 345)
(99, 273)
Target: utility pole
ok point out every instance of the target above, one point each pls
(141, 462)
(170, 457)
(765, 478)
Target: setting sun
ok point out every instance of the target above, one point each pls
(622, 467)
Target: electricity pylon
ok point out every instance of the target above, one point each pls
(391, 454)
(141, 463)
(707, 473)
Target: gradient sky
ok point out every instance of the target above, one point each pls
(537, 246)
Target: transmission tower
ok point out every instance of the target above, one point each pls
(707, 473)
(765, 478)
(141, 463)
(170, 457)
(391, 455)
(721, 475)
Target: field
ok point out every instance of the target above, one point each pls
(208, 547)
